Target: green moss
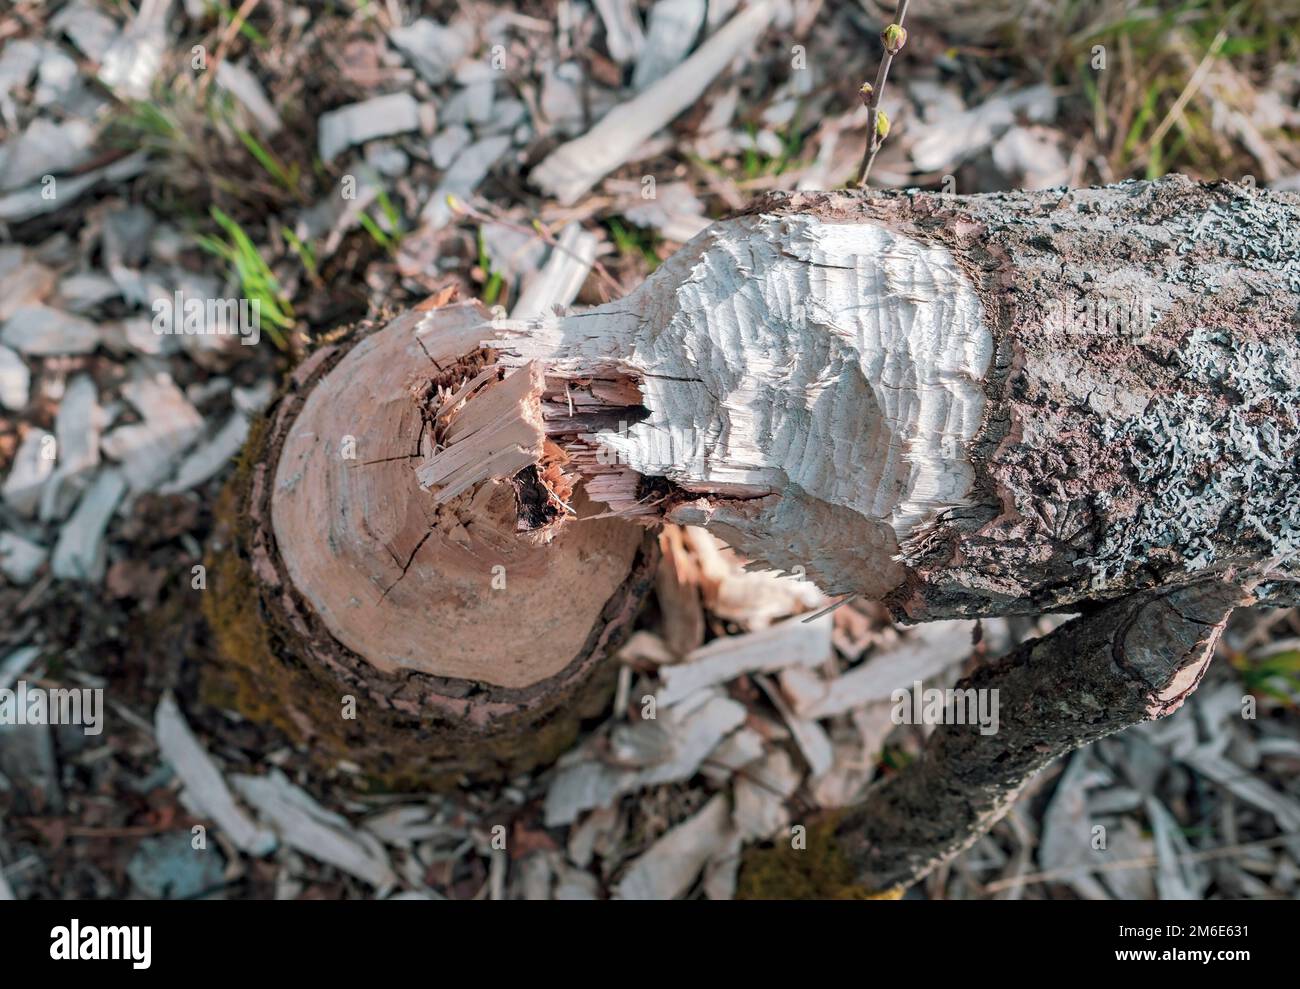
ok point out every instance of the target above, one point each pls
(819, 871)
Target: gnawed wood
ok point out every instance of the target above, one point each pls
(421, 568)
(449, 642)
(963, 406)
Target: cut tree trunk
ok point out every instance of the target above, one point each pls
(962, 406)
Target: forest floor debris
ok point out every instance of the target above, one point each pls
(533, 161)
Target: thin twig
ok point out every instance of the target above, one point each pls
(874, 140)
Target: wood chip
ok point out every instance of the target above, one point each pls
(672, 29)
(135, 56)
(240, 83)
(678, 743)
(150, 450)
(80, 553)
(462, 178)
(561, 278)
(76, 429)
(1247, 788)
(15, 381)
(1067, 828)
(432, 48)
(209, 457)
(41, 331)
(678, 592)
(790, 643)
(673, 862)
(16, 664)
(624, 38)
(1178, 875)
(305, 825)
(920, 654)
(760, 796)
(753, 599)
(31, 470)
(572, 169)
(20, 558)
(205, 789)
(356, 123)
(813, 742)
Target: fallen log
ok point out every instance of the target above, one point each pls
(961, 406)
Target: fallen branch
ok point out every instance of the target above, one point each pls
(962, 406)
(1132, 661)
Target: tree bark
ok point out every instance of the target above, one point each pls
(1133, 660)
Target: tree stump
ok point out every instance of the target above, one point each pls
(422, 641)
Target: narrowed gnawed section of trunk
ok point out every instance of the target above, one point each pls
(417, 636)
(966, 406)
(980, 405)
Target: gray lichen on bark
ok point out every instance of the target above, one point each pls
(1221, 451)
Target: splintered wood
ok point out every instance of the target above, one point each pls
(436, 462)
(575, 412)
(498, 424)
(489, 428)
